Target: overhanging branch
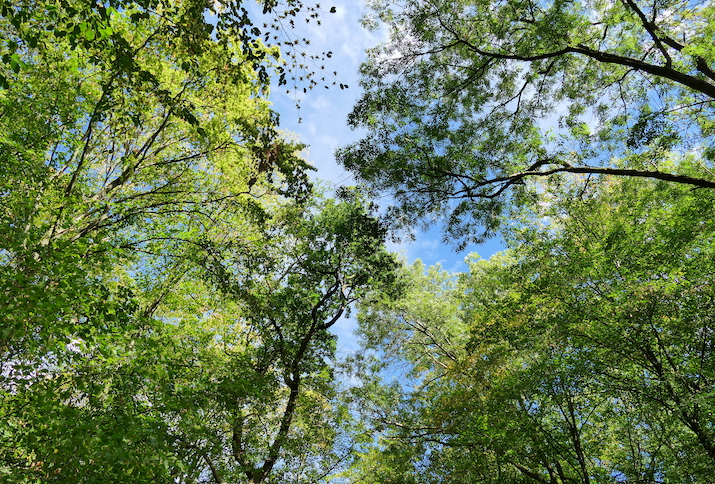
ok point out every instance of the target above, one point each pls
(504, 182)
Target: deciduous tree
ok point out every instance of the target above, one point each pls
(470, 103)
(588, 357)
(168, 275)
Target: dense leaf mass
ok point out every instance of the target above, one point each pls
(471, 102)
(232, 24)
(171, 280)
(582, 354)
(168, 274)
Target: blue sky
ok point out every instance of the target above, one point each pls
(323, 127)
(324, 112)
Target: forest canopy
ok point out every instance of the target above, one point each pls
(171, 274)
(581, 133)
(471, 104)
(581, 354)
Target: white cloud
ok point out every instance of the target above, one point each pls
(429, 244)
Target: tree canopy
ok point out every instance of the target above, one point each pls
(231, 24)
(171, 278)
(581, 132)
(471, 103)
(583, 354)
(168, 273)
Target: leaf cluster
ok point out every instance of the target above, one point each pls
(587, 354)
(470, 105)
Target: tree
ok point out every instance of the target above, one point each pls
(97, 160)
(471, 103)
(234, 25)
(238, 386)
(168, 275)
(328, 257)
(589, 351)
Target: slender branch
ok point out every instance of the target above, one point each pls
(282, 435)
(666, 71)
(214, 472)
(529, 473)
(651, 28)
(661, 71)
(421, 328)
(507, 180)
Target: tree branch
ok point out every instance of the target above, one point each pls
(509, 180)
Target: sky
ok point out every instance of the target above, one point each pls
(323, 117)
(321, 123)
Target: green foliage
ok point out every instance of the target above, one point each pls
(233, 25)
(471, 103)
(168, 274)
(589, 349)
(170, 278)
(273, 350)
(97, 162)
